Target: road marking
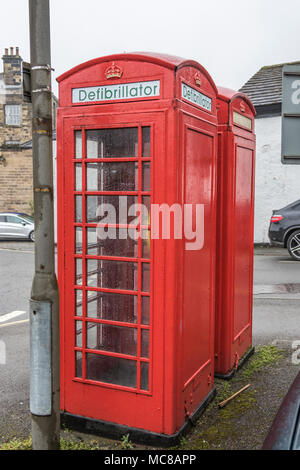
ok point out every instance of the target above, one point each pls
(16, 250)
(11, 315)
(14, 323)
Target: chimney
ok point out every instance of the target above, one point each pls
(12, 67)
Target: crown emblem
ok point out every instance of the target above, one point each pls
(198, 79)
(113, 71)
(243, 107)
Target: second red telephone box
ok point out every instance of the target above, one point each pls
(136, 132)
(235, 226)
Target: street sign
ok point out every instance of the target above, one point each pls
(291, 115)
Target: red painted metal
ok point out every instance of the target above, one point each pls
(235, 222)
(173, 368)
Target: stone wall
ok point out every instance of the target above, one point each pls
(16, 163)
(16, 192)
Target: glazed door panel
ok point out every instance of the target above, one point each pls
(112, 361)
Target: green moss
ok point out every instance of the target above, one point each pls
(214, 436)
(265, 356)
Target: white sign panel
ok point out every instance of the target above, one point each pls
(290, 153)
(195, 97)
(122, 91)
(241, 120)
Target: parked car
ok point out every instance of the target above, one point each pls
(284, 229)
(285, 430)
(15, 225)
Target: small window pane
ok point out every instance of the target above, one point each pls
(115, 307)
(112, 176)
(146, 176)
(78, 241)
(146, 244)
(146, 210)
(78, 177)
(78, 334)
(112, 143)
(78, 209)
(13, 115)
(120, 244)
(78, 144)
(117, 339)
(146, 142)
(145, 344)
(112, 274)
(144, 376)
(112, 370)
(78, 364)
(145, 310)
(78, 276)
(78, 297)
(146, 277)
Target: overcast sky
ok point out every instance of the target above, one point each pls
(231, 38)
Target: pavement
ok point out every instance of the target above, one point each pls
(276, 320)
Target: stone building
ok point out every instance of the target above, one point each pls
(15, 130)
(276, 184)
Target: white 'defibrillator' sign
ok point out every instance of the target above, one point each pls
(122, 91)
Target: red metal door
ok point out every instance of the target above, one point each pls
(112, 363)
(243, 240)
(199, 154)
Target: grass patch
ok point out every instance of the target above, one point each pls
(65, 444)
(17, 444)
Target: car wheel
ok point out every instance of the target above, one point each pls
(31, 236)
(293, 245)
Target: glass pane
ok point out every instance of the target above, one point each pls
(78, 275)
(146, 210)
(78, 177)
(78, 144)
(146, 141)
(78, 298)
(145, 344)
(115, 307)
(78, 241)
(112, 274)
(145, 310)
(144, 376)
(122, 245)
(146, 177)
(78, 341)
(78, 209)
(109, 209)
(146, 277)
(78, 364)
(111, 370)
(112, 176)
(146, 244)
(112, 143)
(110, 338)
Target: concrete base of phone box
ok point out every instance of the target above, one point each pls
(117, 431)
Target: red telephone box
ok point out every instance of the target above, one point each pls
(137, 313)
(235, 226)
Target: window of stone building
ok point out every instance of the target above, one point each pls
(13, 115)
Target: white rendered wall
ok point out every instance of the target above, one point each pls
(276, 185)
